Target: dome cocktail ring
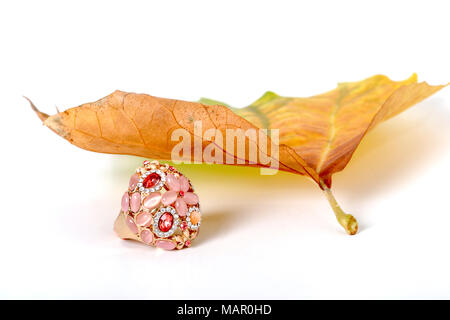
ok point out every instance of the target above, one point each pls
(159, 208)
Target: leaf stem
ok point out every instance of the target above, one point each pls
(345, 220)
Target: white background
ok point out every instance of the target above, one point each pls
(262, 237)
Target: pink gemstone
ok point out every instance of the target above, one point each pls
(187, 243)
(184, 183)
(195, 217)
(146, 236)
(169, 197)
(133, 181)
(131, 224)
(152, 200)
(165, 244)
(144, 219)
(125, 202)
(165, 222)
(152, 180)
(173, 183)
(190, 198)
(181, 207)
(135, 203)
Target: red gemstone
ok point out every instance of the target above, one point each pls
(171, 168)
(183, 225)
(181, 194)
(151, 180)
(165, 222)
(146, 162)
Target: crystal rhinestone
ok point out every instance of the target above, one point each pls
(152, 180)
(165, 222)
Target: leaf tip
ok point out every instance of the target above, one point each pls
(265, 98)
(41, 115)
(413, 77)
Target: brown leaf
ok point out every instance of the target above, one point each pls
(140, 124)
(326, 129)
(318, 134)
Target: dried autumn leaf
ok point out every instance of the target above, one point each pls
(318, 135)
(326, 129)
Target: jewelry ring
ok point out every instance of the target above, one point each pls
(159, 208)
